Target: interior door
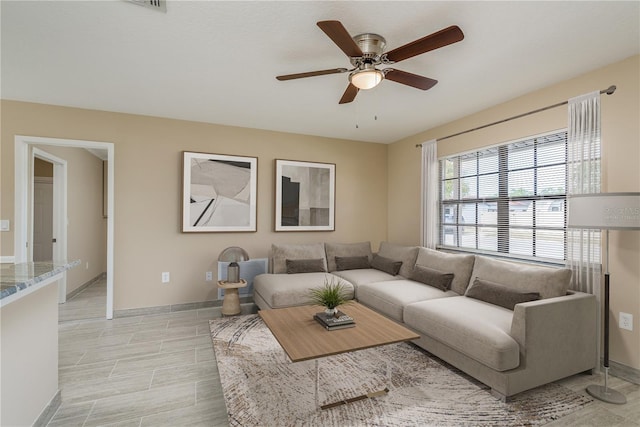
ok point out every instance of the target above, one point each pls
(43, 220)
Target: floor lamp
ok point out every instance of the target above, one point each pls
(605, 211)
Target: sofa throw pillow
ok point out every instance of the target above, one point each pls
(305, 266)
(549, 282)
(280, 253)
(352, 262)
(497, 294)
(405, 254)
(386, 264)
(334, 250)
(460, 265)
(432, 277)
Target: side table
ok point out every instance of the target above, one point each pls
(231, 300)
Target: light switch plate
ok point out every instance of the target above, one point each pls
(4, 225)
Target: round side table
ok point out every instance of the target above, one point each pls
(231, 300)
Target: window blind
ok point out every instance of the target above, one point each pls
(509, 199)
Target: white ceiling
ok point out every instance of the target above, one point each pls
(217, 61)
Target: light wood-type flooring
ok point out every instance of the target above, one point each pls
(160, 370)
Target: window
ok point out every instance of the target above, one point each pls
(508, 200)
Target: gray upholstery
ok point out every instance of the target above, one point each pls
(352, 263)
(281, 253)
(478, 329)
(391, 298)
(432, 277)
(346, 250)
(406, 254)
(460, 265)
(363, 276)
(510, 351)
(547, 281)
(287, 290)
(305, 266)
(497, 294)
(387, 265)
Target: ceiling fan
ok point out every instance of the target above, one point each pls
(366, 51)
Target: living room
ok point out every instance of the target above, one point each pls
(377, 184)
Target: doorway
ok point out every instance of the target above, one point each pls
(24, 188)
(42, 210)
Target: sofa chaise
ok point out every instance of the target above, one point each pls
(512, 326)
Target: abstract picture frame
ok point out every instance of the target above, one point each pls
(219, 193)
(305, 196)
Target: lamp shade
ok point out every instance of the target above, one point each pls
(366, 79)
(604, 211)
(233, 254)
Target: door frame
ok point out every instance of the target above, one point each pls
(24, 166)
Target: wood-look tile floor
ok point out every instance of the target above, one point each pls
(160, 370)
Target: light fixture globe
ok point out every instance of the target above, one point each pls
(233, 255)
(367, 78)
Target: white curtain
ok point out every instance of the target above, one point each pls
(429, 195)
(583, 162)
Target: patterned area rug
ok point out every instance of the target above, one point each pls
(263, 388)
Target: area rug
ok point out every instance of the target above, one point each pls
(263, 388)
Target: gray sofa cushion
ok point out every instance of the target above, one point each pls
(334, 250)
(352, 263)
(549, 282)
(305, 266)
(390, 298)
(387, 265)
(495, 293)
(368, 275)
(474, 328)
(460, 265)
(432, 277)
(287, 290)
(281, 253)
(406, 254)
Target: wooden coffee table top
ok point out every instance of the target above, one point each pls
(303, 338)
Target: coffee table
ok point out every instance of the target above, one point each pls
(303, 338)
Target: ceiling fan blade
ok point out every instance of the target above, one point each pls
(433, 41)
(409, 79)
(311, 74)
(336, 32)
(349, 95)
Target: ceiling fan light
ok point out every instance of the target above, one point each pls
(366, 79)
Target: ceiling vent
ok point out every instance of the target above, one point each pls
(159, 5)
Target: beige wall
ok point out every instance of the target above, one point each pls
(29, 346)
(148, 186)
(621, 157)
(86, 229)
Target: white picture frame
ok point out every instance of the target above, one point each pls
(305, 196)
(219, 193)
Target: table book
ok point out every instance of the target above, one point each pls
(331, 322)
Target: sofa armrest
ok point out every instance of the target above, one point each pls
(557, 334)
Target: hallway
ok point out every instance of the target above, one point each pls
(90, 303)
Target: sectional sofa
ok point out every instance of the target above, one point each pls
(512, 326)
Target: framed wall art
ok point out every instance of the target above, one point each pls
(218, 192)
(305, 196)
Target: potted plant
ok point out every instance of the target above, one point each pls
(330, 296)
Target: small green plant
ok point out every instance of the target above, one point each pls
(331, 295)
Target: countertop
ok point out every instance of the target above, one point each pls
(19, 278)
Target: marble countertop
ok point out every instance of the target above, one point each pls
(15, 278)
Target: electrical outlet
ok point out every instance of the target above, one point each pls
(87, 265)
(165, 277)
(626, 321)
(208, 276)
